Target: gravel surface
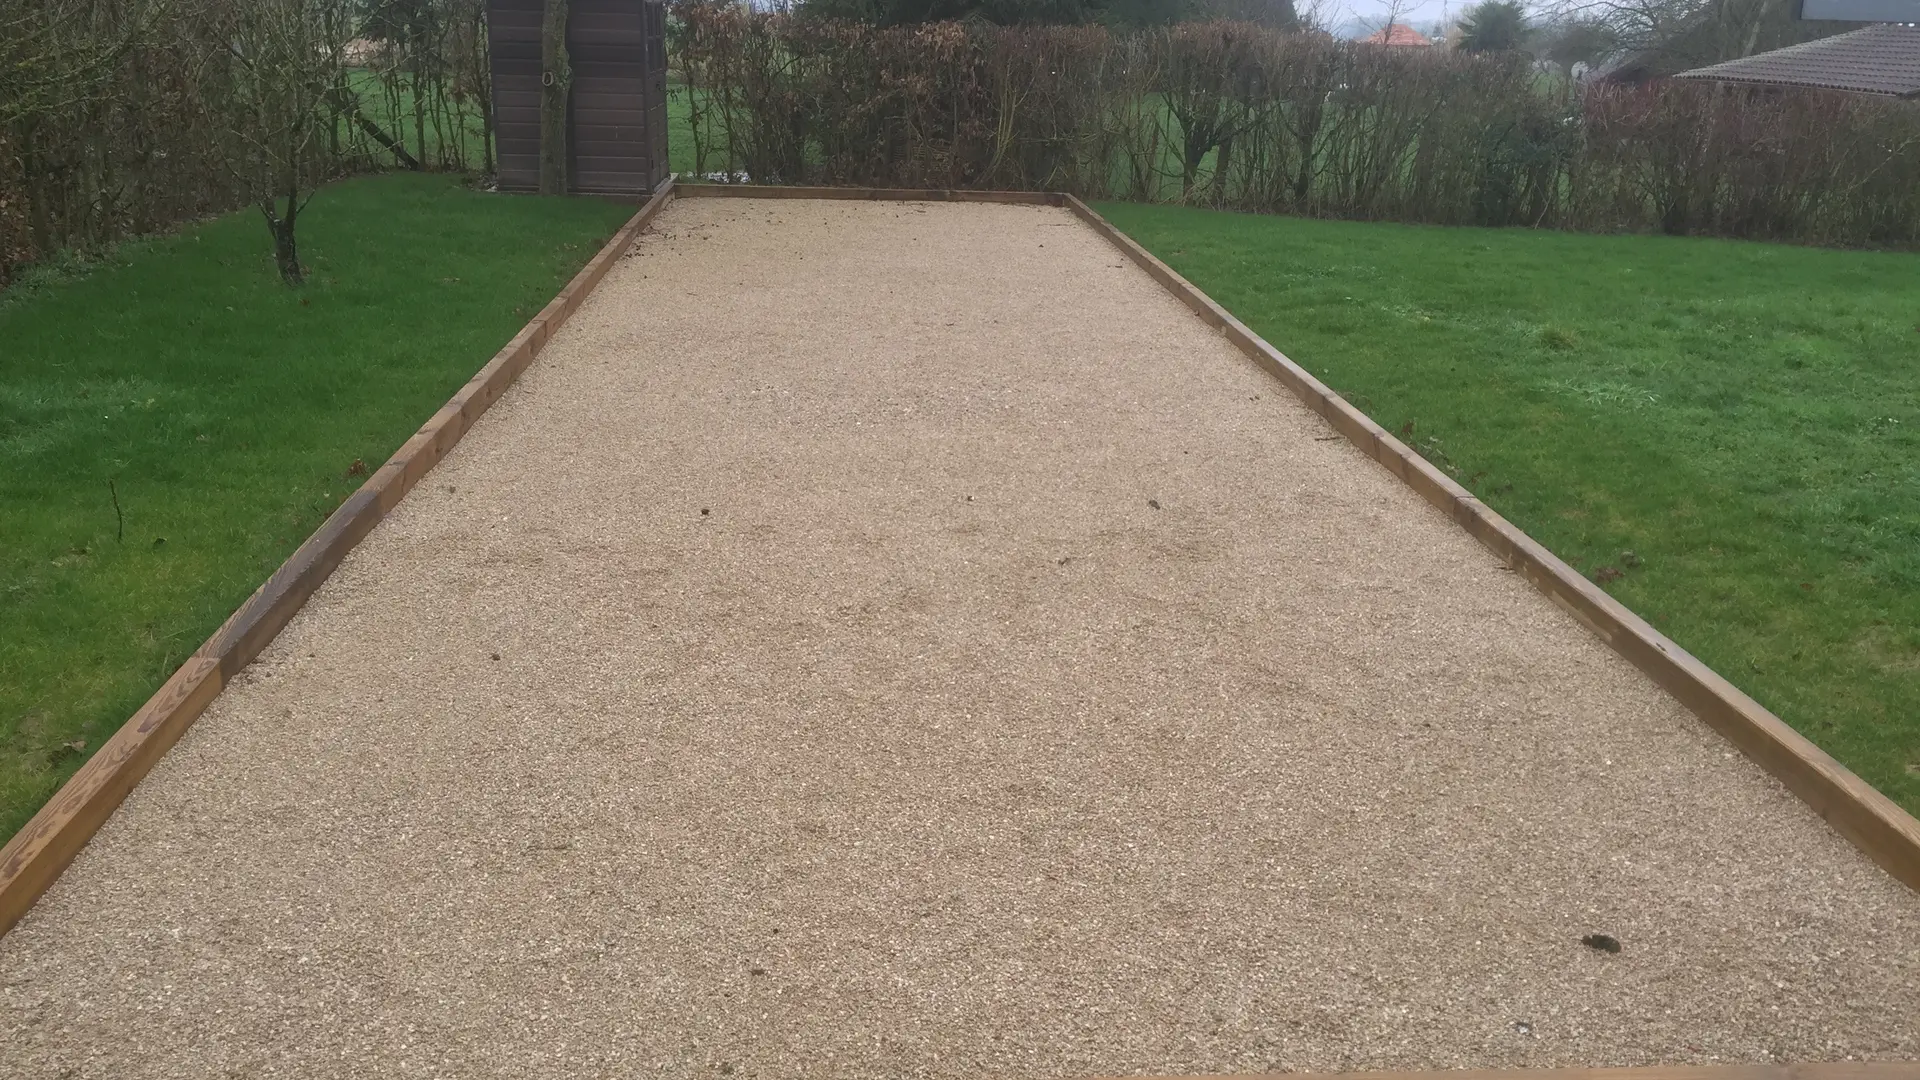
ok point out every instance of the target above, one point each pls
(892, 640)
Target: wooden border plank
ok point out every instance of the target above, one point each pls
(1823, 1070)
(768, 191)
(36, 855)
(1872, 822)
(47, 843)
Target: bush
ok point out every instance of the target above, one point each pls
(1240, 116)
(122, 118)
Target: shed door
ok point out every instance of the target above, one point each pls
(513, 40)
(657, 91)
(607, 42)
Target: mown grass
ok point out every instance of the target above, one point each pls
(446, 141)
(680, 159)
(1166, 176)
(226, 414)
(1726, 434)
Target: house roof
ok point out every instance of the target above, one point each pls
(1396, 34)
(1872, 60)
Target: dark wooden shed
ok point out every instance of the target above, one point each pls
(617, 111)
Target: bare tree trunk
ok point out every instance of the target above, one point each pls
(481, 56)
(347, 103)
(286, 252)
(556, 75)
(486, 129)
(1303, 181)
(39, 217)
(419, 95)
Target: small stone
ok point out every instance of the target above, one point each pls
(756, 971)
(1601, 943)
(1155, 503)
(704, 511)
(496, 656)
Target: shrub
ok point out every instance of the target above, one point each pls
(121, 118)
(1242, 116)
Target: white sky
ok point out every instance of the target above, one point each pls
(1418, 12)
(1412, 10)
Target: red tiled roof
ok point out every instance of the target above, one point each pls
(1396, 34)
(1872, 60)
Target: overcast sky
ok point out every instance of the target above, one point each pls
(1418, 12)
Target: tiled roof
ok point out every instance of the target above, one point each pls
(1396, 34)
(1872, 60)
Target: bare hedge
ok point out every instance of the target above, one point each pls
(121, 117)
(1242, 117)
(118, 118)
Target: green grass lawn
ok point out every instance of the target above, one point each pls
(228, 413)
(451, 142)
(1744, 419)
(683, 162)
(680, 159)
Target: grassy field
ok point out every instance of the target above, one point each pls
(680, 157)
(1726, 435)
(455, 142)
(683, 162)
(226, 415)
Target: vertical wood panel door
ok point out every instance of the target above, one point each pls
(657, 149)
(616, 107)
(513, 47)
(608, 43)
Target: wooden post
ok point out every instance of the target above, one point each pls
(556, 75)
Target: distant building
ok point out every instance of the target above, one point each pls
(1883, 60)
(1398, 36)
(363, 52)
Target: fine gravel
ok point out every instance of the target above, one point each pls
(885, 640)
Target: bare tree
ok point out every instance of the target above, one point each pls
(1673, 35)
(52, 53)
(1571, 42)
(556, 78)
(288, 57)
(1279, 14)
(121, 117)
(1384, 24)
(55, 57)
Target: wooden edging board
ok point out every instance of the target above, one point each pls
(35, 857)
(42, 849)
(1871, 821)
(1886, 833)
(768, 191)
(1874, 823)
(1824, 1070)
